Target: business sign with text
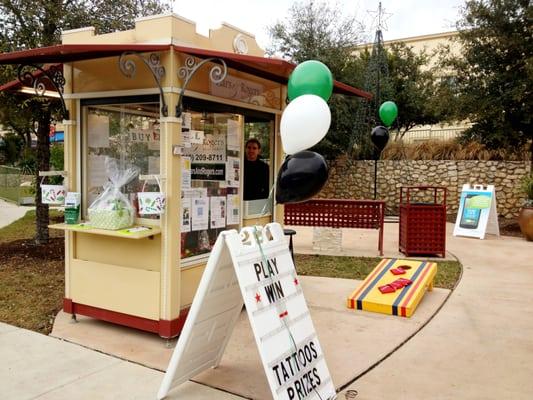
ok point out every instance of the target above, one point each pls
(256, 262)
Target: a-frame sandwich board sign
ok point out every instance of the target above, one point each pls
(256, 266)
(477, 214)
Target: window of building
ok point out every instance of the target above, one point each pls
(126, 132)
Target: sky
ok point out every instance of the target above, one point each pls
(403, 18)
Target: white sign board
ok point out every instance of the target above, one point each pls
(255, 266)
(477, 214)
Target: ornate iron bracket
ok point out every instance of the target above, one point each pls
(53, 74)
(217, 74)
(128, 68)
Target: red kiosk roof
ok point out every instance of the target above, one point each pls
(273, 69)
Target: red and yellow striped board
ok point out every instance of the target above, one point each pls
(403, 301)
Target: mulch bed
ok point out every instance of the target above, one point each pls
(31, 283)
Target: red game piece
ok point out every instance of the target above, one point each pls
(405, 281)
(398, 271)
(397, 285)
(386, 289)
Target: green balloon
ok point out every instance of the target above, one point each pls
(388, 112)
(311, 77)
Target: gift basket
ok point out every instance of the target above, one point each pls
(112, 210)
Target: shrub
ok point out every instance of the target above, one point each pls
(450, 150)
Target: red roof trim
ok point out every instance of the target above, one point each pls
(74, 52)
(15, 84)
(269, 68)
(273, 69)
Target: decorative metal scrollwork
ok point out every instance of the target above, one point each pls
(53, 74)
(217, 74)
(129, 68)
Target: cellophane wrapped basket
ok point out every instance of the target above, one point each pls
(112, 210)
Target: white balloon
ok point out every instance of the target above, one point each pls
(304, 122)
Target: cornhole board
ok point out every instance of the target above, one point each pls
(402, 302)
(253, 267)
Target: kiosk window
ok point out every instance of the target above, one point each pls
(211, 178)
(258, 163)
(128, 133)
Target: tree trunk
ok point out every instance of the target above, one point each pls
(27, 138)
(43, 164)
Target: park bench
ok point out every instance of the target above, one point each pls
(337, 213)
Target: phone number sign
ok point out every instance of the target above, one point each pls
(211, 151)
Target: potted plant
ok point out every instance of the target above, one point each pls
(525, 218)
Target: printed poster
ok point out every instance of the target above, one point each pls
(211, 150)
(200, 213)
(97, 174)
(233, 171)
(153, 165)
(185, 173)
(234, 129)
(233, 217)
(196, 137)
(186, 120)
(218, 212)
(98, 130)
(185, 223)
(196, 192)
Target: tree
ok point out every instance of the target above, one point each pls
(412, 88)
(24, 25)
(490, 82)
(318, 31)
(315, 30)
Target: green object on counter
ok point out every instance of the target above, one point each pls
(72, 215)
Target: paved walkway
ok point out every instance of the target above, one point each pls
(10, 212)
(479, 345)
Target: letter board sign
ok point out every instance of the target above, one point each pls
(255, 266)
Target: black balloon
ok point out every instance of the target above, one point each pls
(300, 177)
(380, 137)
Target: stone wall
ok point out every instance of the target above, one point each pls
(355, 180)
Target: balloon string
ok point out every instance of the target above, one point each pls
(268, 202)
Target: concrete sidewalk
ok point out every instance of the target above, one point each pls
(479, 345)
(10, 212)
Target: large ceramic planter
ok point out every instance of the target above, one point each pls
(525, 220)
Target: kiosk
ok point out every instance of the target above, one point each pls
(179, 106)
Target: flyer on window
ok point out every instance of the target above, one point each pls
(200, 213)
(98, 130)
(196, 192)
(233, 217)
(233, 171)
(153, 165)
(185, 223)
(234, 129)
(185, 173)
(218, 212)
(186, 120)
(97, 174)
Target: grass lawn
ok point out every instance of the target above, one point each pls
(32, 277)
(448, 272)
(14, 193)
